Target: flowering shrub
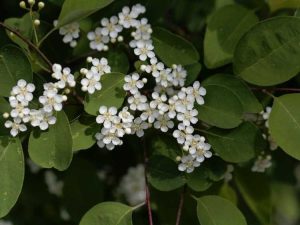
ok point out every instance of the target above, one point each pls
(112, 113)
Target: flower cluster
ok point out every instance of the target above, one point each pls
(51, 101)
(168, 105)
(265, 116)
(54, 185)
(70, 32)
(92, 76)
(132, 185)
(262, 163)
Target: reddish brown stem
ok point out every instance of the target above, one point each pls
(180, 206)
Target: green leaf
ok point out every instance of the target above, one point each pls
(279, 4)
(222, 108)
(74, 10)
(4, 108)
(226, 191)
(193, 71)
(52, 148)
(108, 213)
(199, 179)
(118, 61)
(14, 65)
(164, 174)
(224, 29)
(82, 185)
(214, 210)
(284, 123)
(173, 49)
(111, 94)
(268, 53)
(255, 189)
(239, 89)
(12, 173)
(236, 145)
(83, 135)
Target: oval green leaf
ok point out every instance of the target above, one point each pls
(108, 213)
(75, 10)
(164, 174)
(284, 123)
(236, 145)
(173, 49)
(52, 148)
(268, 53)
(224, 29)
(214, 210)
(111, 94)
(12, 173)
(222, 108)
(14, 65)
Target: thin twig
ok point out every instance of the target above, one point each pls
(148, 201)
(180, 206)
(29, 43)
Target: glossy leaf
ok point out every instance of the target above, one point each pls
(224, 29)
(173, 49)
(52, 148)
(214, 210)
(236, 145)
(108, 213)
(287, 4)
(222, 108)
(83, 135)
(199, 179)
(267, 54)
(75, 10)
(239, 89)
(14, 65)
(193, 71)
(164, 174)
(284, 123)
(111, 94)
(118, 61)
(12, 173)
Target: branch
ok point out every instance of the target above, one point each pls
(29, 43)
(180, 206)
(148, 202)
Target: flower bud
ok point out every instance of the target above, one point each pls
(37, 22)
(178, 158)
(67, 91)
(65, 98)
(5, 115)
(22, 5)
(31, 2)
(41, 5)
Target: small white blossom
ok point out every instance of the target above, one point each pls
(138, 127)
(262, 163)
(111, 27)
(107, 115)
(266, 114)
(63, 75)
(144, 49)
(133, 83)
(228, 173)
(70, 32)
(188, 117)
(16, 126)
(179, 75)
(164, 123)
(127, 18)
(196, 92)
(100, 65)
(51, 101)
(132, 185)
(143, 30)
(188, 164)
(54, 185)
(23, 92)
(91, 82)
(137, 102)
(97, 40)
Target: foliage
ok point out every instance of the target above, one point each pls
(196, 111)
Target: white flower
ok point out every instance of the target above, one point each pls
(64, 214)
(188, 117)
(133, 83)
(188, 164)
(149, 114)
(159, 102)
(70, 32)
(64, 76)
(154, 68)
(164, 78)
(262, 163)
(196, 92)
(100, 65)
(23, 92)
(132, 185)
(34, 168)
(107, 115)
(19, 111)
(51, 101)
(163, 123)
(144, 49)
(125, 116)
(266, 114)
(143, 30)
(111, 27)
(202, 152)
(97, 40)
(228, 173)
(16, 126)
(108, 139)
(137, 102)
(183, 103)
(127, 18)
(47, 119)
(91, 82)
(182, 132)
(138, 9)
(178, 75)
(138, 127)
(54, 185)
